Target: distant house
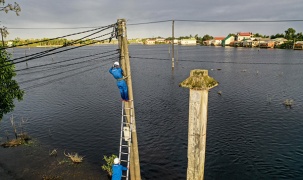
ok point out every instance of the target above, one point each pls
(150, 41)
(298, 45)
(255, 42)
(160, 40)
(267, 44)
(280, 41)
(237, 44)
(176, 41)
(248, 43)
(139, 41)
(10, 43)
(258, 40)
(167, 41)
(240, 36)
(228, 40)
(207, 42)
(217, 41)
(191, 41)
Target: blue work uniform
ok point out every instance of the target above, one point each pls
(117, 72)
(117, 171)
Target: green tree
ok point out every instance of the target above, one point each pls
(277, 36)
(299, 36)
(290, 33)
(197, 37)
(109, 162)
(207, 37)
(257, 35)
(9, 7)
(232, 34)
(9, 88)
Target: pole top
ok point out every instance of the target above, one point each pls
(121, 20)
(199, 80)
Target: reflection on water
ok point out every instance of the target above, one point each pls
(248, 136)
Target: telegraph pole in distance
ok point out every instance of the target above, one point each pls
(173, 48)
(134, 158)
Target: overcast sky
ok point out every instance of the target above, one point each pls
(92, 13)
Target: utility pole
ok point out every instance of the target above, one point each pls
(199, 83)
(134, 158)
(2, 37)
(173, 48)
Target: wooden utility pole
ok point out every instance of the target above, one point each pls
(2, 37)
(173, 46)
(134, 158)
(199, 83)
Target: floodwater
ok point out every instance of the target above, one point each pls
(250, 134)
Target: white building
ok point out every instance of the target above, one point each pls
(217, 41)
(9, 43)
(191, 41)
(150, 41)
(243, 35)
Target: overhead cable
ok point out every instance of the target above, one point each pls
(106, 27)
(51, 75)
(239, 21)
(59, 62)
(87, 27)
(220, 62)
(219, 21)
(151, 22)
(58, 79)
(66, 65)
(47, 51)
(59, 51)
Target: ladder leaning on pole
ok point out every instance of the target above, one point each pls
(125, 137)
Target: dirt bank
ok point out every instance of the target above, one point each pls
(34, 162)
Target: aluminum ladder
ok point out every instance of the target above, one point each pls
(125, 137)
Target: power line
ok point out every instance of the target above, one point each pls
(51, 75)
(151, 22)
(220, 62)
(49, 82)
(104, 27)
(240, 21)
(219, 21)
(43, 65)
(36, 57)
(88, 27)
(66, 65)
(40, 54)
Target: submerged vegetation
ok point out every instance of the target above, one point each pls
(21, 137)
(109, 162)
(74, 157)
(288, 103)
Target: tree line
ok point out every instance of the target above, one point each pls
(289, 34)
(53, 42)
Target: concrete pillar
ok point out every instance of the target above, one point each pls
(199, 83)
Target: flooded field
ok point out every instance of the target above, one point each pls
(250, 133)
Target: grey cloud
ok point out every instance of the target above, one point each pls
(76, 13)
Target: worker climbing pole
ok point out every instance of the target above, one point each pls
(129, 110)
